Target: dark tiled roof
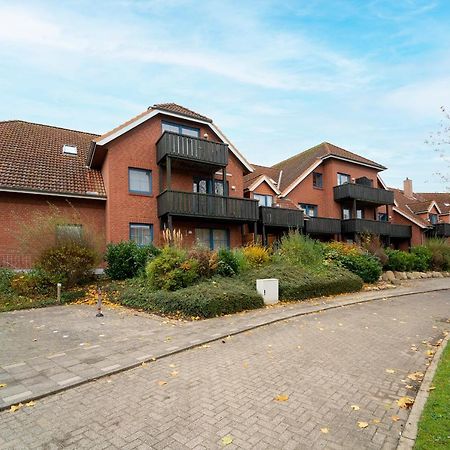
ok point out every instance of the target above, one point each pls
(173, 107)
(441, 198)
(31, 158)
(419, 206)
(298, 164)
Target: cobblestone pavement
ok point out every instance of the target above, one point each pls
(46, 350)
(325, 363)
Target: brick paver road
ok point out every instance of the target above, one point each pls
(324, 363)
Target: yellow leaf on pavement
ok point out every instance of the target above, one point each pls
(29, 404)
(324, 430)
(415, 376)
(390, 371)
(395, 418)
(376, 420)
(15, 408)
(162, 383)
(174, 373)
(281, 398)
(405, 402)
(355, 407)
(3, 385)
(363, 424)
(227, 440)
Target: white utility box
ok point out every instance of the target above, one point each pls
(268, 289)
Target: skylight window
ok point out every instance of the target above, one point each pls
(70, 150)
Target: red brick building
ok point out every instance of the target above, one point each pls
(172, 168)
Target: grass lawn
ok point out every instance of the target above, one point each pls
(434, 425)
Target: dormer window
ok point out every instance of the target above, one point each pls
(70, 150)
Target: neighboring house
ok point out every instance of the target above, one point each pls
(172, 168)
(429, 212)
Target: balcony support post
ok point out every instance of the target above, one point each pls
(224, 181)
(354, 209)
(169, 173)
(254, 232)
(160, 176)
(264, 237)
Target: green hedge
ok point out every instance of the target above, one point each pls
(296, 283)
(210, 298)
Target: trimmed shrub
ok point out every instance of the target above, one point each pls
(127, 259)
(228, 264)
(207, 261)
(300, 250)
(440, 253)
(422, 258)
(172, 270)
(206, 299)
(399, 260)
(6, 276)
(296, 283)
(69, 263)
(256, 255)
(367, 267)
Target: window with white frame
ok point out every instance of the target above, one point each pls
(310, 210)
(141, 233)
(181, 129)
(212, 238)
(264, 200)
(343, 178)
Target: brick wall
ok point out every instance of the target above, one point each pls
(17, 209)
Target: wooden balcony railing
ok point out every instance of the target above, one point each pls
(400, 231)
(191, 204)
(362, 193)
(366, 226)
(192, 149)
(441, 230)
(322, 225)
(281, 217)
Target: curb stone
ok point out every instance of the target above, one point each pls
(409, 434)
(313, 309)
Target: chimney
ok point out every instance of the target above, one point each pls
(408, 188)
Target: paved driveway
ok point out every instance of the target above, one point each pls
(324, 363)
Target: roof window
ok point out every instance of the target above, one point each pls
(70, 150)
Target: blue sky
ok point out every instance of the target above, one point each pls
(277, 77)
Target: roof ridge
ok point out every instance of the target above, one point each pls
(349, 151)
(275, 166)
(49, 126)
(166, 106)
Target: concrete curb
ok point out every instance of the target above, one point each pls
(382, 295)
(409, 434)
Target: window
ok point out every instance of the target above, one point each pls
(141, 233)
(360, 214)
(69, 232)
(382, 217)
(264, 200)
(213, 239)
(317, 180)
(343, 178)
(433, 218)
(139, 181)
(70, 150)
(310, 210)
(180, 129)
(204, 186)
(346, 214)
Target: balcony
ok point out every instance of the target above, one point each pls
(400, 231)
(191, 149)
(366, 226)
(322, 225)
(441, 230)
(362, 193)
(207, 206)
(281, 217)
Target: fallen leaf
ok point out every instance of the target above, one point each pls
(324, 430)
(153, 359)
(395, 418)
(281, 398)
(415, 376)
(174, 373)
(355, 407)
(430, 352)
(3, 385)
(376, 420)
(144, 364)
(363, 424)
(405, 402)
(409, 386)
(162, 383)
(15, 408)
(31, 403)
(390, 371)
(432, 388)
(172, 365)
(245, 365)
(227, 440)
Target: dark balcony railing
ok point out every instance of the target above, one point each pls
(366, 226)
(191, 204)
(400, 231)
(192, 149)
(322, 225)
(281, 217)
(441, 230)
(362, 193)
